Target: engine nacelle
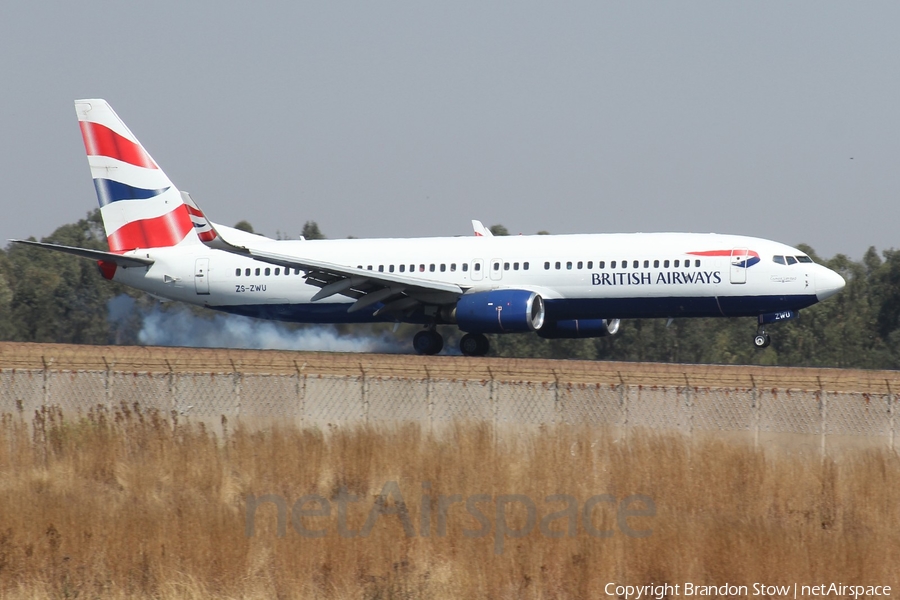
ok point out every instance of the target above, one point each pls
(500, 311)
(580, 328)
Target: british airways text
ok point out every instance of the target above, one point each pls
(666, 278)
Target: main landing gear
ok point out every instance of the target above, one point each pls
(429, 341)
(474, 344)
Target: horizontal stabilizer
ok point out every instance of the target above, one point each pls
(122, 261)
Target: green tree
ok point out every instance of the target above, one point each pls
(244, 226)
(311, 231)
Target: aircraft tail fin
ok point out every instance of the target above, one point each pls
(140, 206)
(480, 229)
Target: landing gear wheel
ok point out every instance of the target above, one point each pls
(428, 342)
(762, 340)
(474, 344)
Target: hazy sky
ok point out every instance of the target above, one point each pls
(393, 119)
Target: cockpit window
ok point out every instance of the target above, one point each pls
(778, 259)
(791, 260)
(804, 259)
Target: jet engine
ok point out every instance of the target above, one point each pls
(500, 311)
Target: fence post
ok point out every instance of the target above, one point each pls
(237, 386)
(557, 409)
(107, 384)
(623, 404)
(494, 411)
(172, 395)
(364, 395)
(754, 399)
(823, 409)
(300, 389)
(45, 387)
(688, 402)
(429, 401)
(890, 407)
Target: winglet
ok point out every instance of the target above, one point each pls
(206, 231)
(480, 229)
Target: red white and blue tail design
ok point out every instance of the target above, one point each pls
(140, 206)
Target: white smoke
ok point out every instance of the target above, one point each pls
(181, 327)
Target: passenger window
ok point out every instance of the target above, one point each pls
(496, 266)
(778, 259)
(558, 265)
(515, 266)
(655, 264)
(277, 271)
(268, 271)
(247, 272)
(546, 265)
(402, 268)
(665, 264)
(601, 264)
(580, 264)
(257, 271)
(506, 266)
(612, 264)
(646, 264)
(421, 268)
(288, 271)
(296, 271)
(569, 265)
(369, 268)
(590, 264)
(524, 266)
(381, 268)
(452, 267)
(636, 264)
(237, 272)
(391, 268)
(443, 267)
(431, 267)
(791, 260)
(697, 263)
(465, 267)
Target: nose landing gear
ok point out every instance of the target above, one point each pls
(762, 339)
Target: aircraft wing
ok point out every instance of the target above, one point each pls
(122, 261)
(399, 293)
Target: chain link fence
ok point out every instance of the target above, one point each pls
(813, 417)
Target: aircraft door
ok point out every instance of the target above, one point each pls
(477, 270)
(201, 276)
(739, 257)
(496, 267)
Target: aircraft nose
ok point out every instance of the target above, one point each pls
(828, 283)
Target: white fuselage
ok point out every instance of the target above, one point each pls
(579, 276)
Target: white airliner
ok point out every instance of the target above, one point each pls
(559, 286)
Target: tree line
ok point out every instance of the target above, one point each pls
(52, 297)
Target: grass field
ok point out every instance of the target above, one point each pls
(131, 504)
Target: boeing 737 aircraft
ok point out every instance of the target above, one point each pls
(559, 286)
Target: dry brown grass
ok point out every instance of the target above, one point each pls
(132, 504)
